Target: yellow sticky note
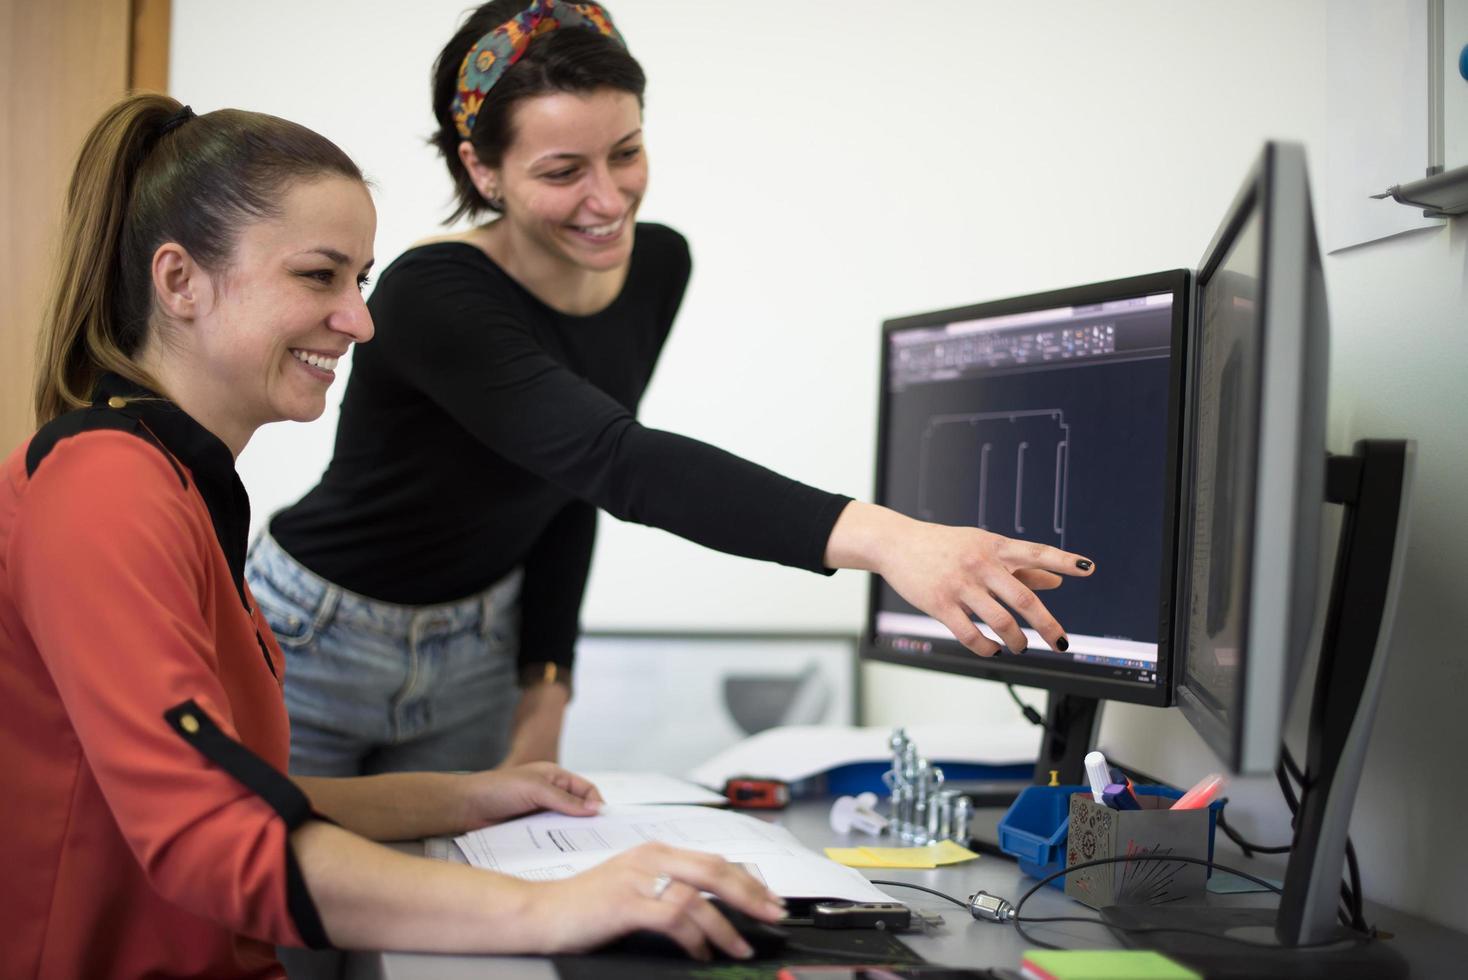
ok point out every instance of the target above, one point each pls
(856, 857)
(947, 852)
(901, 857)
(931, 856)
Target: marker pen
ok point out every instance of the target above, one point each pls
(1202, 794)
(1098, 774)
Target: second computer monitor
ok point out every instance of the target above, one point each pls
(1251, 530)
(1053, 418)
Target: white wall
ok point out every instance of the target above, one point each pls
(838, 163)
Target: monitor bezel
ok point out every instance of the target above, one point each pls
(1010, 669)
(1289, 468)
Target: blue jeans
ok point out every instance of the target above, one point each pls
(377, 687)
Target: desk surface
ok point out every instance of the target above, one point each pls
(1431, 950)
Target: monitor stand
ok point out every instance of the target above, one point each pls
(1070, 732)
(1374, 486)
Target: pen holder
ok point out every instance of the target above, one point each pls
(1096, 831)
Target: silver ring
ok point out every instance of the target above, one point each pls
(660, 884)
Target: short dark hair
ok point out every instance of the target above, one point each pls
(564, 60)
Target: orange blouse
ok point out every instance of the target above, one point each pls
(142, 729)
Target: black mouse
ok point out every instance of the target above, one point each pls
(766, 940)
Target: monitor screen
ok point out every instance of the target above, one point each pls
(1256, 450)
(1051, 418)
(1227, 420)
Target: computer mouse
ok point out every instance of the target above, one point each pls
(767, 940)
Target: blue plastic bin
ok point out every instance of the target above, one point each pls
(1034, 828)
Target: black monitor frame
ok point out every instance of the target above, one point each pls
(1013, 669)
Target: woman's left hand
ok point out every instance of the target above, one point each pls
(499, 794)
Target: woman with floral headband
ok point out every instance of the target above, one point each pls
(444, 554)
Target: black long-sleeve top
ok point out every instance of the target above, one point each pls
(481, 429)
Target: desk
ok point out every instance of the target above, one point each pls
(1433, 951)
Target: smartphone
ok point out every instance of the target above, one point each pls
(881, 973)
(892, 916)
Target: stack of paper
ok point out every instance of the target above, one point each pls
(651, 787)
(549, 846)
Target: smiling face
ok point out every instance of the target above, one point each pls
(261, 338)
(574, 177)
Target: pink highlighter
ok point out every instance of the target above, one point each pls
(1200, 795)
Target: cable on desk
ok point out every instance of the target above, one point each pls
(922, 888)
(1352, 914)
(1020, 921)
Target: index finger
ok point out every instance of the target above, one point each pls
(1023, 600)
(1031, 554)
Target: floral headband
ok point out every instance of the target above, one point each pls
(487, 62)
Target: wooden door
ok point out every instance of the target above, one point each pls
(61, 63)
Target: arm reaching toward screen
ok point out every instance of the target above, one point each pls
(952, 572)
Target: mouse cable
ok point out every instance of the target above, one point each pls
(922, 888)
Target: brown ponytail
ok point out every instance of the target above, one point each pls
(137, 185)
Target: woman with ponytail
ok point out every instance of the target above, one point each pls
(209, 280)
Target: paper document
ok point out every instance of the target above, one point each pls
(549, 846)
(651, 787)
(795, 752)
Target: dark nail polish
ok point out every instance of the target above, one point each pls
(1062, 644)
(1084, 564)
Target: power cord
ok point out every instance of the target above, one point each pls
(1351, 914)
(996, 909)
(1028, 710)
(923, 888)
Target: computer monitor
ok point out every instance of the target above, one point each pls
(1258, 477)
(1238, 558)
(1256, 463)
(1054, 417)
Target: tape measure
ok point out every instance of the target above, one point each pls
(749, 793)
